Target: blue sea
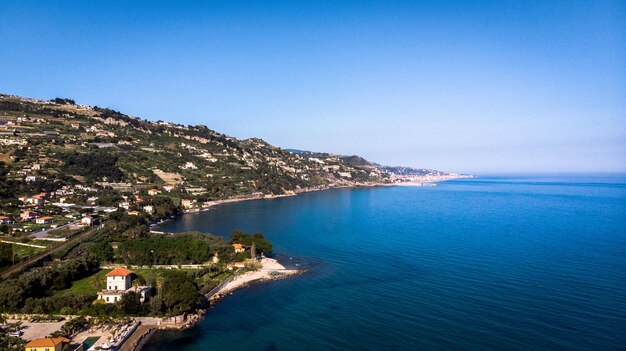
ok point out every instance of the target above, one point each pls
(491, 263)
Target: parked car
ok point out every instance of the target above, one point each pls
(17, 333)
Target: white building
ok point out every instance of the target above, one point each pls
(87, 220)
(119, 282)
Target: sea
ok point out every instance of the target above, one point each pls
(515, 262)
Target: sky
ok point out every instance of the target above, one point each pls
(467, 86)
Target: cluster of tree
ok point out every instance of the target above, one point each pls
(102, 250)
(189, 248)
(260, 243)
(163, 206)
(63, 304)
(62, 101)
(71, 327)
(37, 283)
(178, 293)
(10, 343)
(6, 254)
(109, 113)
(93, 165)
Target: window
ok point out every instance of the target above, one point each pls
(107, 299)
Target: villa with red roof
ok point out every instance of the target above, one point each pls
(119, 282)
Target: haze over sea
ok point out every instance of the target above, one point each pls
(492, 263)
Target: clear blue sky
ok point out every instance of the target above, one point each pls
(465, 86)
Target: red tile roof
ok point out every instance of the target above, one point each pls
(52, 342)
(119, 272)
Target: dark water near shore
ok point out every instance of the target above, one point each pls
(494, 263)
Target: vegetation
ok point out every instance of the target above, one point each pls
(9, 343)
(28, 292)
(178, 293)
(6, 254)
(191, 248)
(93, 165)
(261, 244)
(93, 156)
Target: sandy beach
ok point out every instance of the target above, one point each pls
(271, 270)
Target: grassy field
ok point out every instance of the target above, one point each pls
(86, 285)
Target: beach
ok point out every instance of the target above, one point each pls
(271, 270)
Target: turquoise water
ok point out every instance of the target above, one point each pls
(494, 263)
(89, 342)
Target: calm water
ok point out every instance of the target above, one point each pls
(495, 263)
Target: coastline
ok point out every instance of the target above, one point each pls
(274, 269)
(271, 270)
(397, 181)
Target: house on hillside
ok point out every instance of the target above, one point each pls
(48, 344)
(133, 213)
(44, 220)
(232, 266)
(119, 282)
(153, 192)
(28, 215)
(187, 203)
(238, 248)
(87, 220)
(6, 220)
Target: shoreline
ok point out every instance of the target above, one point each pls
(271, 270)
(427, 181)
(275, 270)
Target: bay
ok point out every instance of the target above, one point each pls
(524, 262)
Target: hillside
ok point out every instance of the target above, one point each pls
(57, 142)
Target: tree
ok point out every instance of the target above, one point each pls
(102, 250)
(130, 303)
(179, 292)
(6, 254)
(259, 241)
(97, 281)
